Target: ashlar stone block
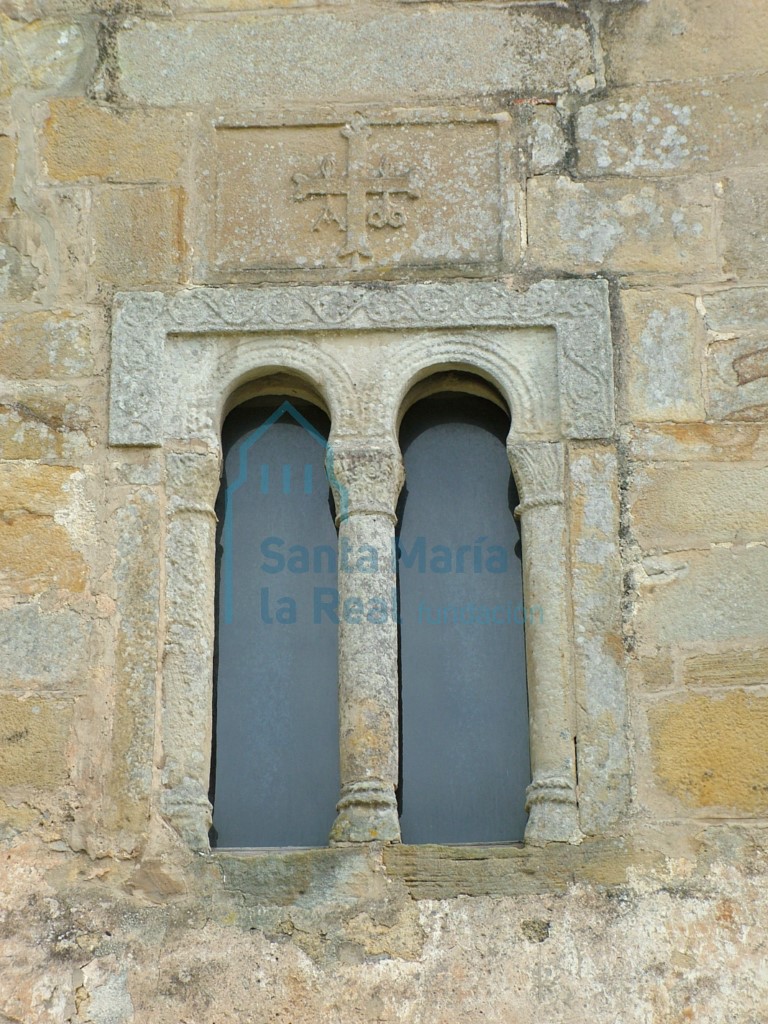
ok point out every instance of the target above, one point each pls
(136, 237)
(44, 423)
(675, 39)
(716, 442)
(737, 378)
(677, 507)
(83, 140)
(745, 225)
(737, 358)
(713, 751)
(371, 54)
(34, 345)
(659, 228)
(36, 555)
(29, 487)
(735, 309)
(662, 360)
(33, 741)
(672, 129)
(704, 596)
(42, 649)
(730, 667)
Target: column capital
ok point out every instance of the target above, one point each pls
(365, 476)
(538, 469)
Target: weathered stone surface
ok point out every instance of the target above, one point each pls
(718, 595)
(42, 649)
(39, 55)
(45, 345)
(663, 918)
(736, 308)
(675, 128)
(452, 205)
(660, 227)
(675, 39)
(678, 507)
(662, 360)
(443, 52)
(33, 488)
(36, 555)
(713, 751)
(717, 442)
(137, 524)
(44, 424)
(737, 667)
(602, 710)
(737, 377)
(136, 235)
(83, 140)
(33, 741)
(7, 167)
(745, 225)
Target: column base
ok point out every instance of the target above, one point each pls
(187, 809)
(553, 813)
(367, 813)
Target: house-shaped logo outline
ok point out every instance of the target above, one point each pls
(285, 408)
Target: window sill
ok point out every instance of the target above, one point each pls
(285, 876)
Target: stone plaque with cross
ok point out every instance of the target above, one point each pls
(357, 195)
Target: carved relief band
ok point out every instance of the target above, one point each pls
(177, 360)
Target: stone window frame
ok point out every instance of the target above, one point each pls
(177, 360)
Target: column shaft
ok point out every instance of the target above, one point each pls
(366, 483)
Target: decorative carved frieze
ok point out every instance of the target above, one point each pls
(142, 389)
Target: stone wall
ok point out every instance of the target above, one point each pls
(164, 145)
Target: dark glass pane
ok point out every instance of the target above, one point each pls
(276, 760)
(465, 755)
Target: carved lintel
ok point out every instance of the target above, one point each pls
(538, 470)
(366, 478)
(553, 811)
(367, 812)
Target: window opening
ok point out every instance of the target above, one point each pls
(465, 761)
(275, 763)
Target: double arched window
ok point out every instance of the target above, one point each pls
(367, 354)
(290, 590)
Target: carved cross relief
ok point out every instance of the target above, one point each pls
(414, 191)
(356, 185)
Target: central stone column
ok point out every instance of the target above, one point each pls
(366, 480)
